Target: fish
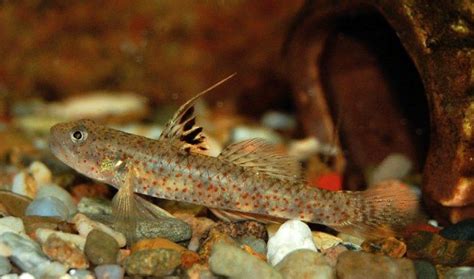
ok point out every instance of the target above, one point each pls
(250, 179)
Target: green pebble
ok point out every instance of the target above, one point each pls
(152, 262)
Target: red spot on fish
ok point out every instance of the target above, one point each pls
(185, 190)
(178, 175)
(331, 181)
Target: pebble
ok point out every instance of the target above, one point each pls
(333, 253)
(171, 228)
(156, 243)
(233, 262)
(109, 271)
(305, 263)
(242, 228)
(325, 241)
(394, 166)
(52, 190)
(279, 121)
(3, 211)
(390, 246)
(27, 255)
(48, 206)
(5, 266)
(258, 245)
(14, 203)
(305, 148)
(199, 226)
(94, 206)
(5, 251)
(40, 173)
(84, 225)
(463, 230)
(354, 240)
(24, 184)
(152, 262)
(11, 224)
(425, 270)
(80, 274)
(363, 265)
(463, 272)
(439, 250)
(32, 223)
(242, 132)
(291, 236)
(101, 248)
(64, 252)
(214, 237)
(42, 236)
(200, 271)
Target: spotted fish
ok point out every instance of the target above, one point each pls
(248, 179)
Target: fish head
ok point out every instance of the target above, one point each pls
(87, 147)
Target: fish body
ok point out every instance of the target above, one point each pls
(250, 177)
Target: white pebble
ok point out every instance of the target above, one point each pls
(41, 173)
(84, 226)
(52, 190)
(394, 166)
(80, 274)
(43, 234)
(291, 236)
(11, 224)
(26, 275)
(48, 206)
(24, 184)
(109, 271)
(10, 276)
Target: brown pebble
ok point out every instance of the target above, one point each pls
(65, 252)
(390, 246)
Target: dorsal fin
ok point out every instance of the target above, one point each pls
(181, 129)
(262, 157)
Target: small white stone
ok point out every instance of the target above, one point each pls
(24, 184)
(394, 166)
(52, 190)
(325, 241)
(84, 226)
(11, 224)
(81, 274)
(10, 276)
(43, 234)
(26, 275)
(48, 206)
(291, 236)
(41, 173)
(305, 148)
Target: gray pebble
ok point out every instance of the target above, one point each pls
(109, 271)
(48, 206)
(5, 266)
(152, 262)
(305, 263)
(101, 248)
(173, 229)
(257, 244)
(463, 272)
(59, 193)
(425, 270)
(233, 262)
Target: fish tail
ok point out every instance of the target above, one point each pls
(385, 210)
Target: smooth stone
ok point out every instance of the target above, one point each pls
(279, 121)
(152, 262)
(64, 252)
(48, 206)
(215, 236)
(52, 190)
(15, 204)
(5, 266)
(291, 236)
(390, 246)
(173, 229)
(24, 184)
(305, 263)
(394, 166)
(425, 270)
(257, 244)
(233, 262)
(5, 250)
(325, 241)
(84, 226)
(463, 272)
(361, 265)
(42, 236)
(41, 173)
(201, 271)
(463, 230)
(11, 224)
(32, 223)
(101, 248)
(27, 255)
(156, 243)
(439, 250)
(95, 206)
(109, 271)
(331, 254)
(241, 133)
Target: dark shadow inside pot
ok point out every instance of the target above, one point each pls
(375, 95)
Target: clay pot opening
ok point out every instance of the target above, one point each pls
(374, 94)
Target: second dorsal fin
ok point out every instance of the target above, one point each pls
(181, 129)
(262, 157)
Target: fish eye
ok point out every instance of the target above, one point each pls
(78, 135)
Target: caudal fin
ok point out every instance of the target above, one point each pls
(388, 208)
